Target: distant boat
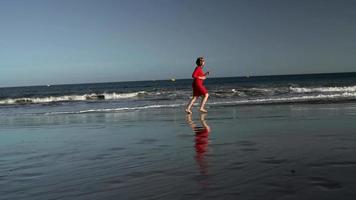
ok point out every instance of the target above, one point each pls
(173, 79)
(48, 85)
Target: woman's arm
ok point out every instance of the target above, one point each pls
(204, 77)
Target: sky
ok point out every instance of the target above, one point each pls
(85, 41)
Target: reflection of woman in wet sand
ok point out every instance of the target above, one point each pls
(201, 141)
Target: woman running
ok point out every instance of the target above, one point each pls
(198, 88)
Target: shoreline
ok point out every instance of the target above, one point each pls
(279, 151)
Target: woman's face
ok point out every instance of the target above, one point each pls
(202, 63)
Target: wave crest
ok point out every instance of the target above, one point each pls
(323, 89)
(85, 97)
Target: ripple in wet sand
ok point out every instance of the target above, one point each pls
(117, 148)
(249, 149)
(328, 135)
(333, 163)
(141, 174)
(99, 157)
(221, 144)
(115, 182)
(340, 148)
(283, 188)
(246, 143)
(28, 176)
(28, 166)
(273, 161)
(147, 141)
(324, 183)
(237, 165)
(46, 156)
(136, 174)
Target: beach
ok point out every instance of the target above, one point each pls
(284, 151)
(96, 100)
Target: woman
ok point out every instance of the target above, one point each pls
(198, 88)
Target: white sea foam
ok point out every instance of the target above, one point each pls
(113, 96)
(323, 89)
(117, 109)
(93, 96)
(262, 89)
(296, 99)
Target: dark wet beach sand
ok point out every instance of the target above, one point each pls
(292, 151)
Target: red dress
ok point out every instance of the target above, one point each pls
(198, 87)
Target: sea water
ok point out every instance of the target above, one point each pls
(126, 96)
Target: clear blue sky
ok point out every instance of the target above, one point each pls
(76, 41)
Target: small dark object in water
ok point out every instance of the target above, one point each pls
(23, 101)
(101, 96)
(96, 97)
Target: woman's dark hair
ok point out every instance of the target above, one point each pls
(199, 61)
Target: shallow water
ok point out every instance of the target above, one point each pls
(249, 152)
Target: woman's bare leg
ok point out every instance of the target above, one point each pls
(203, 102)
(189, 106)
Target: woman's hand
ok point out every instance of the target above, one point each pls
(207, 73)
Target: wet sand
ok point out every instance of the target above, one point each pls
(245, 152)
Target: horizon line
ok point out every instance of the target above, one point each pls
(246, 76)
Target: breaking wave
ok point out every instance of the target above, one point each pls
(85, 97)
(253, 95)
(323, 89)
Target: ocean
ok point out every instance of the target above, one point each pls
(126, 96)
(266, 137)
